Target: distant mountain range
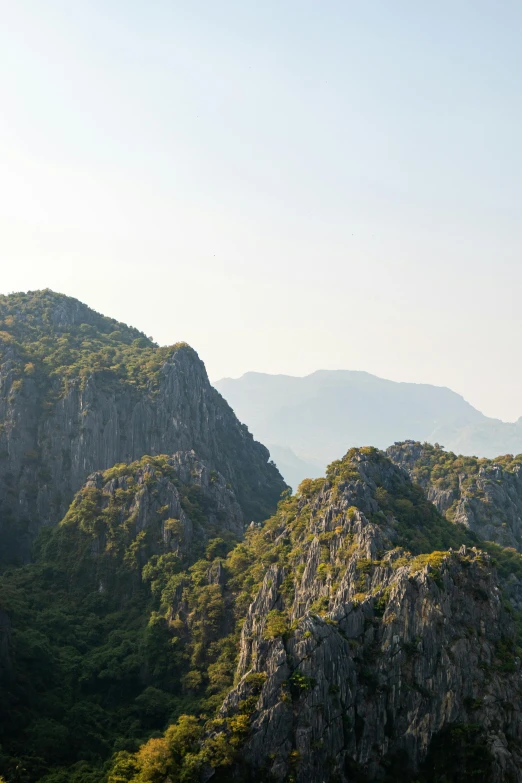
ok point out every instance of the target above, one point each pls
(307, 422)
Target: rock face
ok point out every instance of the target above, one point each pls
(484, 495)
(379, 665)
(155, 503)
(376, 641)
(61, 422)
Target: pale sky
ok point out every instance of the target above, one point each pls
(287, 185)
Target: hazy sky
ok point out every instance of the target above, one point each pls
(287, 185)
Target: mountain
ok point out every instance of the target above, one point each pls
(92, 659)
(323, 414)
(485, 495)
(364, 655)
(163, 619)
(80, 392)
(356, 635)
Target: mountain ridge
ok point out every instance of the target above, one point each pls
(484, 495)
(356, 633)
(80, 392)
(359, 660)
(322, 414)
(352, 633)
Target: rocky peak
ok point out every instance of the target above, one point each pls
(156, 505)
(484, 495)
(39, 313)
(99, 394)
(375, 640)
(370, 656)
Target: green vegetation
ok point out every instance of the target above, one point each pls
(55, 346)
(302, 682)
(420, 528)
(59, 340)
(457, 754)
(101, 657)
(276, 625)
(125, 638)
(442, 468)
(506, 560)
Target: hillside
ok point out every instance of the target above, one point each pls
(355, 635)
(92, 659)
(321, 415)
(364, 655)
(485, 495)
(80, 392)
(164, 619)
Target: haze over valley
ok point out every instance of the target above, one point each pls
(306, 422)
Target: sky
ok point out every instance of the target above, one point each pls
(288, 186)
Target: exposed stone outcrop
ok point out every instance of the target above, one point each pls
(52, 438)
(383, 654)
(486, 497)
(154, 503)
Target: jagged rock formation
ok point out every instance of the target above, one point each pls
(356, 635)
(364, 655)
(80, 392)
(382, 651)
(362, 691)
(485, 495)
(164, 504)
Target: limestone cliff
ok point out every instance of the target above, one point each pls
(375, 664)
(356, 635)
(485, 495)
(80, 392)
(155, 506)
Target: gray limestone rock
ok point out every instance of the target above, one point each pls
(50, 441)
(386, 654)
(488, 500)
